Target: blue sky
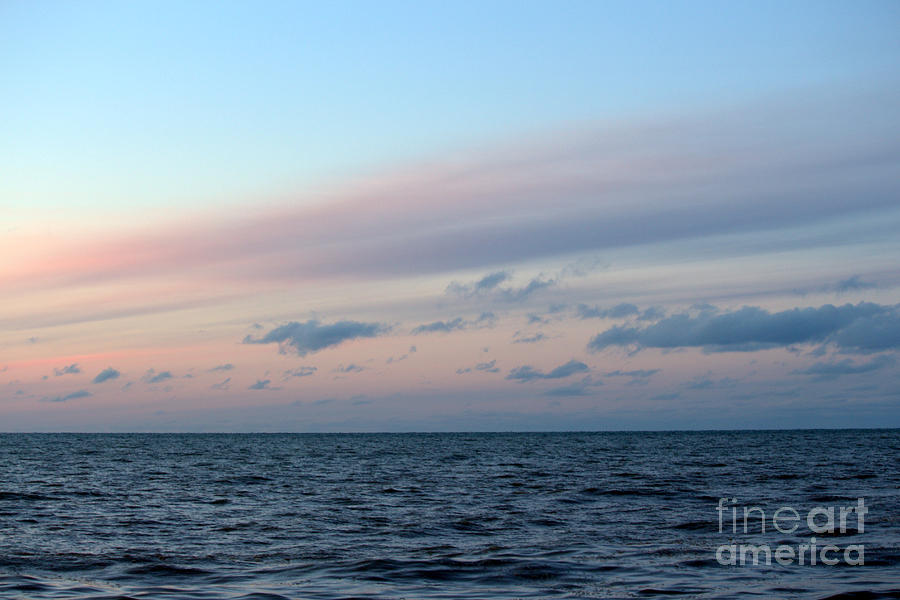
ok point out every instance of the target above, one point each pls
(171, 102)
(422, 215)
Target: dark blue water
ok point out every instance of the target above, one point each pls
(568, 515)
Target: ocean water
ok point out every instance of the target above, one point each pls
(531, 515)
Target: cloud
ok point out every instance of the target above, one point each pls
(619, 311)
(440, 326)
(875, 333)
(833, 370)
(864, 327)
(528, 373)
(351, 368)
(553, 313)
(488, 286)
(312, 336)
(225, 367)
(261, 384)
(70, 370)
(151, 376)
(72, 396)
(485, 284)
(485, 319)
(489, 282)
(523, 293)
(300, 372)
(106, 374)
(487, 367)
(654, 313)
(637, 374)
(391, 359)
(589, 312)
(222, 385)
(852, 284)
(532, 339)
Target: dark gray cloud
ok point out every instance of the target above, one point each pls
(654, 313)
(589, 312)
(300, 372)
(72, 396)
(620, 311)
(106, 374)
(225, 367)
(530, 339)
(875, 333)
(492, 280)
(485, 284)
(222, 385)
(529, 373)
(485, 319)
(351, 368)
(864, 327)
(440, 326)
(69, 370)
(852, 284)
(486, 367)
(261, 384)
(523, 293)
(151, 376)
(489, 287)
(312, 336)
(554, 312)
(833, 370)
(637, 373)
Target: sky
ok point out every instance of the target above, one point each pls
(423, 216)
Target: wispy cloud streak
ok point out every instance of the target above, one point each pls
(760, 169)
